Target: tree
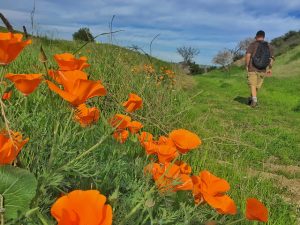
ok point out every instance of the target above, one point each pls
(188, 53)
(239, 51)
(244, 44)
(195, 68)
(83, 34)
(223, 58)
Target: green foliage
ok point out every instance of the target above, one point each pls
(286, 42)
(64, 156)
(83, 34)
(296, 56)
(18, 187)
(237, 137)
(195, 68)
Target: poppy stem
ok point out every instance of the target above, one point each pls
(94, 38)
(236, 221)
(137, 206)
(213, 217)
(6, 120)
(2, 210)
(68, 122)
(131, 212)
(44, 59)
(2, 105)
(86, 152)
(41, 218)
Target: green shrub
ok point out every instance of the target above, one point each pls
(83, 34)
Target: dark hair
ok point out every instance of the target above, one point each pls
(260, 33)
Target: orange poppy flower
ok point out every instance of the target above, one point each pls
(166, 153)
(10, 46)
(228, 206)
(255, 210)
(10, 148)
(172, 177)
(209, 188)
(163, 140)
(185, 140)
(154, 169)
(25, 83)
(7, 95)
(168, 177)
(85, 116)
(146, 141)
(186, 183)
(150, 147)
(67, 77)
(82, 208)
(133, 103)
(121, 135)
(77, 92)
(134, 127)
(120, 121)
(184, 167)
(67, 61)
(145, 137)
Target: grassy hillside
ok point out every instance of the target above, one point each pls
(262, 142)
(286, 42)
(227, 92)
(64, 156)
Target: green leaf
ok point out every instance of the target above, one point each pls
(18, 187)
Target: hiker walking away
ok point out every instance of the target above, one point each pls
(259, 59)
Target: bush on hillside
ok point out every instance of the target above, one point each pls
(83, 34)
(286, 42)
(195, 68)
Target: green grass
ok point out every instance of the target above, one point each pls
(241, 137)
(271, 129)
(64, 156)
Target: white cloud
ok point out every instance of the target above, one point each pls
(208, 25)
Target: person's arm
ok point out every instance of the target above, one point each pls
(247, 60)
(272, 56)
(249, 53)
(271, 62)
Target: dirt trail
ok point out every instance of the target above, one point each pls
(285, 177)
(272, 165)
(292, 186)
(278, 173)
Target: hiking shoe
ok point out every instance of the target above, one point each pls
(253, 104)
(249, 100)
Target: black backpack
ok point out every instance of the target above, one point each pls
(261, 58)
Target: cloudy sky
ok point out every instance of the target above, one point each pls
(209, 25)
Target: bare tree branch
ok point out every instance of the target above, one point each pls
(156, 36)
(32, 17)
(110, 27)
(25, 32)
(223, 58)
(6, 23)
(188, 53)
(106, 33)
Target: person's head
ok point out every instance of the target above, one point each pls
(260, 35)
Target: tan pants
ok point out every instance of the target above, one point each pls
(256, 79)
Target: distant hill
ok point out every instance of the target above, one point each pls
(286, 42)
(282, 45)
(2, 29)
